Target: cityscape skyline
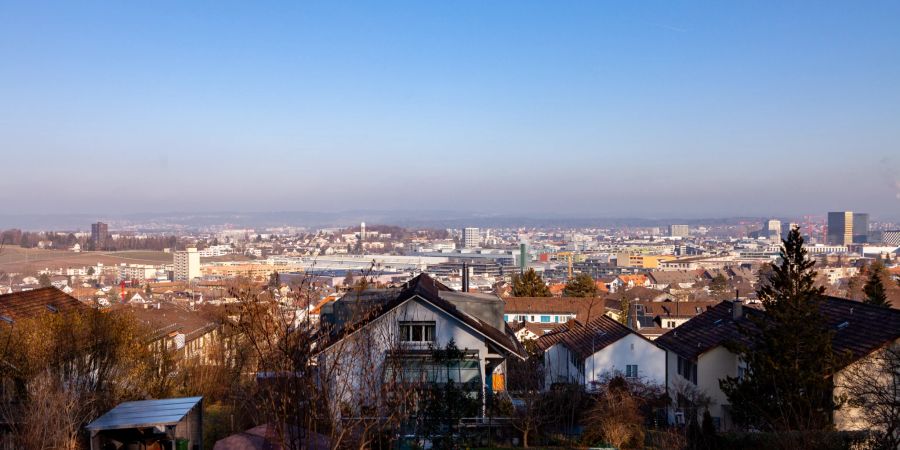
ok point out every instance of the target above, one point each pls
(407, 224)
(586, 109)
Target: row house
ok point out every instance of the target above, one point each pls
(697, 357)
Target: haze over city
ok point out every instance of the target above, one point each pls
(583, 109)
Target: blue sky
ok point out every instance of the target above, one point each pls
(647, 109)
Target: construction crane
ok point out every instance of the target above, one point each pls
(568, 256)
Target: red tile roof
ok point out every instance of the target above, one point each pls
(25, 304)
(585, 340)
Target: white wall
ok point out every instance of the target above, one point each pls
(713, 366)
(631, 349)
(558, 367)
(354, 367)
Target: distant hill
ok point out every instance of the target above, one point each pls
(175, 221)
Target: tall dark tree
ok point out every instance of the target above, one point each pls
(580, 286)
(274, 279)
(788, 352)
(529, 284)
(719, 284)
(44, 280)
(874, 288)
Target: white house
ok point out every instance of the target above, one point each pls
(381, 333)
(697, 357)
(589, 353)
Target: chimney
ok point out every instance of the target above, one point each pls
(465, 277)
(737, 309)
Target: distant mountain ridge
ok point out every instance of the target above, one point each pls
(174, 221)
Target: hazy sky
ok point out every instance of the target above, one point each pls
(592, 108)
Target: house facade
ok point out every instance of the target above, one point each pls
(697, 357)
(398, 336)
(587, 354)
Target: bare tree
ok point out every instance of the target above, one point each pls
(872, 388)
(622, 410)
(314, 385)
(526, 379)
(65, 369)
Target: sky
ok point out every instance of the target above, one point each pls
(544, 108)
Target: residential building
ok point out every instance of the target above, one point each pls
(99, 235)
(628, 282)
(187, 264)
(138, 272)
(589, 353)
(663, 279)
(679, 230)
(377, 329)
(214, 251)
(184, 333)
(31, 303)
(471, 237)
(550, 311)
(698, 358)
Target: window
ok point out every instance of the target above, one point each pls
(545, 319)
(671, 324)
(417, 332)
(687, 369)
(631, 371)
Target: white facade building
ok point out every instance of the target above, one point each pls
(471, 237)
(591, 353)
(187, 264)
(216, 250)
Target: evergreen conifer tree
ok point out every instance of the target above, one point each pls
(581, 286)
(789, 357)
(529, 284)
(874, 288)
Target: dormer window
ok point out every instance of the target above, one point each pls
(422, 332)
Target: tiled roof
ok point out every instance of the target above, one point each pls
(430, 290)
(704, 332)
(552, 305)
(859, 328)
(672, 276)
(585, 340)
(676, 309)
(20, 305)
(167, 316)
(638, 292)
(637, 279)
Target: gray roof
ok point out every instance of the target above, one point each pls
(145, 413)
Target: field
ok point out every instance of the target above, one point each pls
(17, 259)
